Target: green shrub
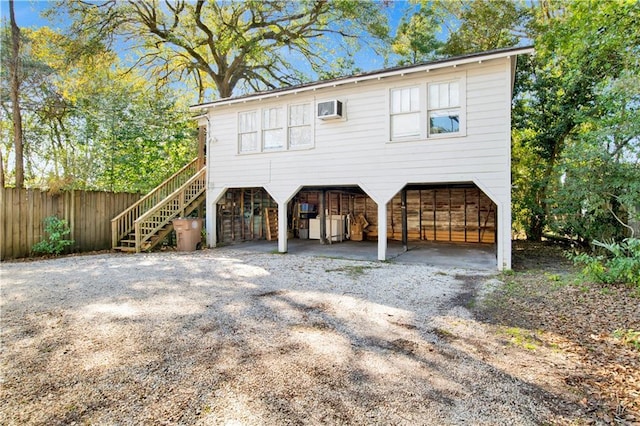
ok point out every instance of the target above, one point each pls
(619, 263)
(57, 229)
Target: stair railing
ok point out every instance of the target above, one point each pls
(123, 224)
(175, 205)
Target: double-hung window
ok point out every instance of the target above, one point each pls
(444, 108)
(300, 134)
(248, 131)
(405, 113)
(275, 128)
(273, 136)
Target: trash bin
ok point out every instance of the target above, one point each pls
(188, 233)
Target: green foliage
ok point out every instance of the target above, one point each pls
(235, 46)
(523, 338)
(479, 25)
(416, 39)
(57, 229)
(618, 264)
(628, 337)
(90, 124)
(576, 111)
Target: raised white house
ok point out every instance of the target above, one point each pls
(414, 153)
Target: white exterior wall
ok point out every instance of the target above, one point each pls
(357, 150)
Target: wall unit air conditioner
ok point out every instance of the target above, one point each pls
(329, 110)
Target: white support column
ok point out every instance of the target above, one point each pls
(382, 231)
(504, 236)
(211, 222)
(282, 227)
(213, 195)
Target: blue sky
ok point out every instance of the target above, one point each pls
(28, 14)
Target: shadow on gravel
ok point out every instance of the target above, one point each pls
(219, 337)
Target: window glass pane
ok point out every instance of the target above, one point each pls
(454, 96)
(294, 115)
(444, 95)
(300, 136)
(396, 96)
(434, 99)
(272, 118)
(446, 121)
(247, 122)
(266, 119)
(248, 142)
(415, 99)
(299, 115)
(273, 139)
(405, 125)
(405, 101)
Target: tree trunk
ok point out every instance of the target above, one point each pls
(14, 71)
(1, 171)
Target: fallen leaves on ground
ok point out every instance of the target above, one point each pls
(594, 324)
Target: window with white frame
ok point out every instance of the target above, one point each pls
(248, 131)
(405, 113)
(273, 136)
(300, 134)
(275, 128)
(444, 111)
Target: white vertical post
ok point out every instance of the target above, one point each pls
(382, 231)
(282, 227)
(210, 220)
(504, 236)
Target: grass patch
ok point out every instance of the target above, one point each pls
(353, 270)
(522, 338)
(628, 337)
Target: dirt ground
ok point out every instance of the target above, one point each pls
(547, 303)
(232, 337)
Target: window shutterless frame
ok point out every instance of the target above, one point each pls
(276, 128)
(299, 126)
(248, 132)
(273, 136)
(405, 112)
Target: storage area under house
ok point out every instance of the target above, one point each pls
(451, 213)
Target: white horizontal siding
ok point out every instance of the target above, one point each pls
(357, 150)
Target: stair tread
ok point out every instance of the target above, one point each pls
(128, 243)
(121, 248)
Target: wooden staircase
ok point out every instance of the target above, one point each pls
(147, 222)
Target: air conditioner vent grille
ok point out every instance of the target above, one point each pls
(329, 110)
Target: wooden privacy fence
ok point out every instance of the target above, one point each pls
(88, 214)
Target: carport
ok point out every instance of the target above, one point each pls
(440, 254)
(445, 224)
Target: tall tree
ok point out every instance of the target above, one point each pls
(567, 102)
(14, 93)
(89, 123)
(480, 25)
(416, 39)
(235, 45)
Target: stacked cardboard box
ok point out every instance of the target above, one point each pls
(358, 225)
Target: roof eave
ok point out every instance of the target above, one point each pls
(374, 75)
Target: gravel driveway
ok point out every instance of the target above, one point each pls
(226, 336)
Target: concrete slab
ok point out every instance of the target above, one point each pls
(450, 255)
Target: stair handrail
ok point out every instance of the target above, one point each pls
(199, 177)
(123, 223)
